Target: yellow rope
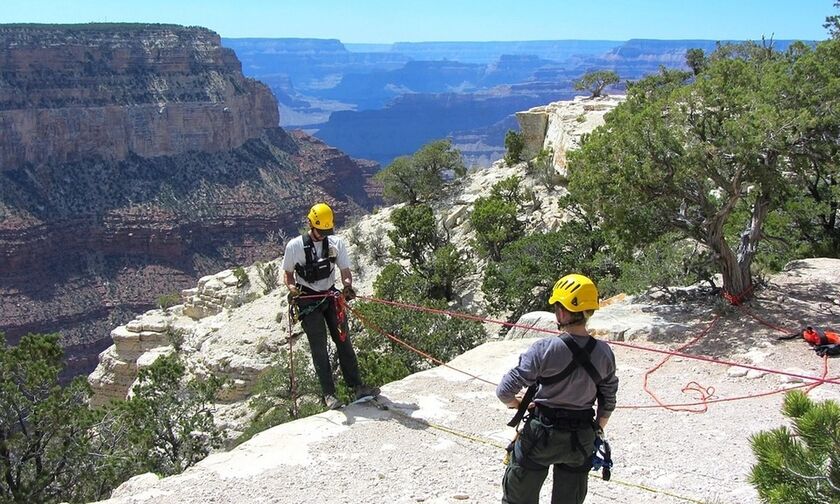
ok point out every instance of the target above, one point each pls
(494, 444)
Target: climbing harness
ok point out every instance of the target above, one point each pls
(315, 268)
(557, 418)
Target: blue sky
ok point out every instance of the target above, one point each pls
(383, 21)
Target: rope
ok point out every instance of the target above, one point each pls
(292, 382)
(705, 399)
(705, 393)
(395, 339)
(487, 442)
(614, 343)
(737, 299)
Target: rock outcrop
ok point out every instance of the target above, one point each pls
(548, 126)
(134, 160)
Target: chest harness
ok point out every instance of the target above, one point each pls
(601, 458)
(314, 268)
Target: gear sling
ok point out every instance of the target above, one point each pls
(562, 418)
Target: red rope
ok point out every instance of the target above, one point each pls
(705, 393)
(737, 299)
(292, 383)
(393, 338)
(705, 399)
(614, 343)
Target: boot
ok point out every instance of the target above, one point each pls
(365, 391)
(332, 402)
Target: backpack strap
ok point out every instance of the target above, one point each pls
(308, 246)
(325, 249)
(580, 358)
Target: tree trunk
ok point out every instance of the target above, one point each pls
(735, 268)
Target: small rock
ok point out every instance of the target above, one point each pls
(753, 374)
(665, 481)
(461, 497)
(793, 379)
(736, 372)
(134, 326)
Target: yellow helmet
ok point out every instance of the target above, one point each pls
(321, 218)
(576, 293)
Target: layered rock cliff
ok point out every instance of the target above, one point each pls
(547, 126)
(74, 93)
(135, 159)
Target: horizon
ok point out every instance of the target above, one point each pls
(414, 21)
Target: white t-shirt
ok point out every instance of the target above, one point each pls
(295, 255)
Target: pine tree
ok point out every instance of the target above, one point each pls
(801, 464)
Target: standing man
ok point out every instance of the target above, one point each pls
(569, 372)
(310, 262)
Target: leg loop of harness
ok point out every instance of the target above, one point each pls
(528, 438)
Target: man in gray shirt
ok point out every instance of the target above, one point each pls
(561, 428)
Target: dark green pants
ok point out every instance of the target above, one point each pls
(315, 324)
(539, 447)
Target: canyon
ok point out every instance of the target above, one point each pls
(135, 159)
(381, 101)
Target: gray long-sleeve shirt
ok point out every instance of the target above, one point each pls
(550, 356)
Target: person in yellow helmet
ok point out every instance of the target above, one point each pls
(309, 263)
(569, 373)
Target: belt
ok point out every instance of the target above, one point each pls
(563, 416)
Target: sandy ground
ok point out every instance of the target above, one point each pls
(440, 441)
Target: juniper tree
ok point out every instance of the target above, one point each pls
(710, 159)
(596, 81)
(420, 177)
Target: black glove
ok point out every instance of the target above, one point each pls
(823, 350)
(349, 293)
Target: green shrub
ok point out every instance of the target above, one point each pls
(514, 145)
(522, 280)
(800, 464)
(175, 337)
(440, 336)
(241, 276)
(272, 401)
(269, 275)
(668, 262)
(47, 431)
(169, 421)
(420, 177)
(167, 301)
(495, 218)
(542, 167)
(435, 267)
